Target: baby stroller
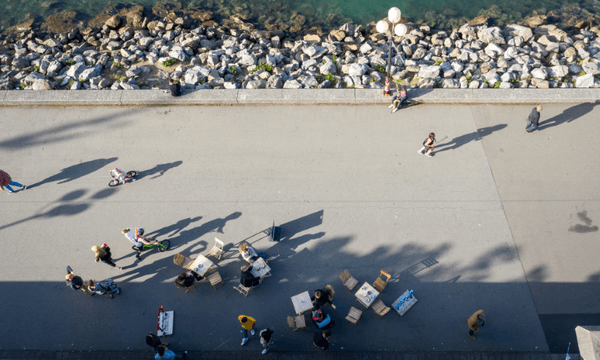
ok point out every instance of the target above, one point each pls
(107, 288)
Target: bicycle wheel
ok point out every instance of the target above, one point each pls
(132, 174)
(164, 245)
(113, 182)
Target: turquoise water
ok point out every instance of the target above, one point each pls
(327, 14)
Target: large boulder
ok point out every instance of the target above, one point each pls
(519, 30)
(590, 68)
(585, 81)
(42, 84)
(491, 35)
(431, 71)
(358, 69)
(76, 69)
(558, 71)
(328, 68)
(292, 84)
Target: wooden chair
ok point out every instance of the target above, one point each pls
(182, 261)
(379, 283)
(243, 290)
(348, 280)
(354, 315)
(215, 280)
(380, 309)
(296, 322)
(217, 250)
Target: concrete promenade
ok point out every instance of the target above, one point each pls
(498, 220)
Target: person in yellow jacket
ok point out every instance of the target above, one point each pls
(476, 321)
(247, 323)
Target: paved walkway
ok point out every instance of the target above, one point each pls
(498, 219)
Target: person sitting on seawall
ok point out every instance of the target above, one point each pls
(321, 320)
(186, 280)
(249, 254)
(247, 279)
(397, 100)
(323, 297)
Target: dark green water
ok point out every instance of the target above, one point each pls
(327, 14)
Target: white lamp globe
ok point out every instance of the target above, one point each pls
(394, 15)
(401, 29)
(382, 26)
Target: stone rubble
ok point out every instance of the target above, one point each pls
(120, 56)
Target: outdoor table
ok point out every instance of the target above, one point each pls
(366, 295)
(201, 265)
(260, 268)
(302, 302)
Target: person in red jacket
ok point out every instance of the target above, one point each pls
(6, 182)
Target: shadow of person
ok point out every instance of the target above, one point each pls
(174, 229)
(467, 138)
(215, 225)
(76, 171)
(568, 115)
(158, 170)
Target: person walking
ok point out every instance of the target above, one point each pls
(397, 100)
(248, 324)
(475, 322)
(6, 182)
(103, 254)
(320, 339)
(163, 353)
(533, 119)
(73, 281)
(428, 145)
(265, 339)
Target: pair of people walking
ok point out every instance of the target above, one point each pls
(266, 335)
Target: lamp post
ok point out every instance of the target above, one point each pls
(394, 16)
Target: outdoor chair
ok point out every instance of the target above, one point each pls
(215, 280)
(354, 315)
(348, 280)
(217, 250)
(296, 322)
(379, 283)
(243, 290)
(380, 309)
(182, 261)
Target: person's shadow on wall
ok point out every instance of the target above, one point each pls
(570, 114)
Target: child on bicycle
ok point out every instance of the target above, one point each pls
(119, 175)
(135, 236)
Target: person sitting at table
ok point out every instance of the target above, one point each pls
(247, 279)
(249, 254)
(186, 280)
(321, 320)
(323, 297)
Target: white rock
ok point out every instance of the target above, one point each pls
(88, 73)
(365, 48)
(328, 68)
(517, 30)
(230, 85)
(539, 73)
(590, 68)
(585, 81)
(292, 84)
(491, 35)
(358, 69)
(507, 77)
(256, 84)
(451, 84)
(248, 60)
(192, 77)
(75, 70)
(558, 71)
(493, 50)
(41, 84)
(505, 85)
(431, 71)
(474, 84)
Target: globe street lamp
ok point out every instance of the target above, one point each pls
(394, 16)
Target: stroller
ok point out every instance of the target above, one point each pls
(107, 288)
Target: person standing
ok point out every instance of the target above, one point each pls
(320, 339)
(265, 339)
(323, 297)
(247, 323)
(103, 254)
(6, 181)
(533, 119)
(475, 322)
(428, 145)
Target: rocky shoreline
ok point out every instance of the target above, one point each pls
(125, 50)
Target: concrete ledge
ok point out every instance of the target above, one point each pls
(291, 97)
(62, 98)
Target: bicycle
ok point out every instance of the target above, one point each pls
(162, 245)
(115, 181)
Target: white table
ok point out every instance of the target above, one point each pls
(201, 265)
(260, 268)
(366, 295)
(302, 302)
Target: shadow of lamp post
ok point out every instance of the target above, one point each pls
(394, 16)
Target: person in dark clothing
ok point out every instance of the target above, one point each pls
(323, 297)
(320, 339)
(247, 279)
(186, 280)
(73, 281)
(533, 119)
(265, 339)
(154, 341)
(103, 254)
